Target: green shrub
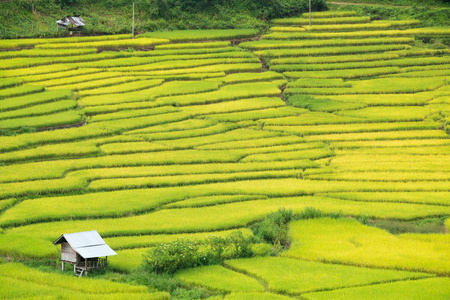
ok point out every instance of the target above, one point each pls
(185, 253)
(309, 213)
(274, 228)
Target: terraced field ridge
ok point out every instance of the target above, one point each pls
(199, 135)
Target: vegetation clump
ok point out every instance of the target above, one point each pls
(186, 253)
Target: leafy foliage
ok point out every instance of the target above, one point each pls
(186, 253)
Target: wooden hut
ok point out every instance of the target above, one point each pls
(84, 250)
(71, 23)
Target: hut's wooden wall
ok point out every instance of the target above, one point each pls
(67, 253)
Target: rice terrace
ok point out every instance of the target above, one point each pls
(228, 150)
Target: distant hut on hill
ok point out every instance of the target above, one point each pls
(71, 23)
(84, 250)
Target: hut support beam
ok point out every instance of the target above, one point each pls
(63, 266)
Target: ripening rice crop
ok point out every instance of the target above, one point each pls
(359, 127)
(56, 119)
(78, 78)
(85, 285)
(228, 92)
(256, 296)
(20, 91)
(9, 82)
(141, 42)
(167, 89)
(322, 21)
(213, 200)
(18, 43)
(33, 99)
(433, 288)
(220, 278)
(205, 45)
(334, 59)
(56, 75)
(9, 143)
(292, 276)
(283, 44)
(330, 14)
(385, 176)
(25, 62)
(344, 74)
(356, 65)
(127, 260)
(381, 135)
(202, 35)
(257, 114)
(286, 29)
(426, 32)
(347, 241)
(392, 143)
(392, 162)
(328, 50)
(96, 83)
(439, 198)
(122, 88)
(53, 151)
(389, 113)
(46, 53)
(132, 242)
(124, 113)
(228, 216)
(42, 109)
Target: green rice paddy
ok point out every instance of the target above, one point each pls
(201, 133)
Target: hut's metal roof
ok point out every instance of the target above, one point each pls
(76, 21)
(88, 244)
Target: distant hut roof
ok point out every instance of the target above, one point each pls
(75, 21)
(88, 244)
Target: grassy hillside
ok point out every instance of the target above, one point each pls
(37, 18)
